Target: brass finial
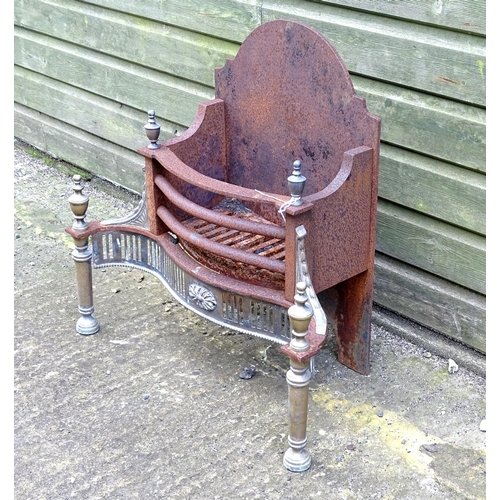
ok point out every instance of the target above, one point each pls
(152, 130)
(300, 316)
(296, 183)
(79, 203)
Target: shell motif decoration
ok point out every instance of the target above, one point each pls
(202, 297)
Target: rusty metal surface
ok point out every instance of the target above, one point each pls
(286, 96)
(272, 248)
(239, 222)
(222, 250)
(179, 170)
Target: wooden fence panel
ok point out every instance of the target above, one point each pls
(230, 20)
(89, 152)
(461, 15)
(451, 253)
(408, 54)
(188, 55)
(115, 79)
(454, 311)
(434, 188)
(102, 117)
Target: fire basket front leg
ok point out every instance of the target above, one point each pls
(82, 255)
(297, 458)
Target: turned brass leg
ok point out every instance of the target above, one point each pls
(82, 255)
(297, 458)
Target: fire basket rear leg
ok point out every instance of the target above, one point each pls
(353, 318)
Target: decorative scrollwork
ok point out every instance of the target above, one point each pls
(138, 217)
(304, 276)
(202, 297)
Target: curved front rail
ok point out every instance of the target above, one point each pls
(217, 303)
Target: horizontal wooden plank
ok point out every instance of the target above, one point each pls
(91, 153)
(428, 300)
(462, 15)
(429, 59)
(434, 188)
(97, 115)
(434, 126)
(186, 54)
(231, 20)
(451, 253)
(135, 86)
(430, 340)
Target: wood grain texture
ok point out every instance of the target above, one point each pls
(451, 253)
(97, 115)
(434, 188)
(430, 125)
(428, 300)
(185, 54)
(115, 79)
(429, 59)
(461, 15)
(89, 152)
(230, 20)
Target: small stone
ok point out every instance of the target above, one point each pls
(427, 354)
(380, 413)
(482, 425)
(17, 236)
(115, 290)
(145, 397)
(247, 373)
(452, 366)
(351, 447)
(431, 448)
